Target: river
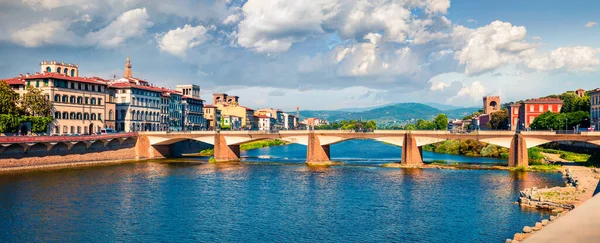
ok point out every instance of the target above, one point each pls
(276, 199)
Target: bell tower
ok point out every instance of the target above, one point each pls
(127, 73)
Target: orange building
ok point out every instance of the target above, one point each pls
(522, 114)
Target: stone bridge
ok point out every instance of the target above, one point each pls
(227, 143)
(24, 143)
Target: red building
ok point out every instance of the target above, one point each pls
(522, 114)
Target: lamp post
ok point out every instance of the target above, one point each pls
(566, 124)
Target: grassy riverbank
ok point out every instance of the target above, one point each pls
(247, 146)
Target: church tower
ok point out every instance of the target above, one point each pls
(127, 73)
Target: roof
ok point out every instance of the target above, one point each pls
(90, 80)
(124, 85)
(595, 90)
(191, 98)
(14, 81)
(544, 101)
(209, 106)
(261, 116)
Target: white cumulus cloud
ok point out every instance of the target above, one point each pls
(133, 23)
(45, 32)
(590, 24)
(178, 41)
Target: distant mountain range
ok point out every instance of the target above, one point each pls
(395, 113)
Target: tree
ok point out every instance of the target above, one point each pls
(8, 99)
(34, 102)
(498, 120)
(441, 122)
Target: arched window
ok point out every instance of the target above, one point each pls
(56, 130)
(79, 129)
(57, 98)
(58, 70)
(57, 115)
(65, 99)
(99, 117)
(93, 116)
(110, 115)
(86, 116)
(65, 116)
(79, 100)
(72, 72)
(93, 101)
(72, 129)
(66, 71)
(78, 115)
(48, 69)
(72, 100)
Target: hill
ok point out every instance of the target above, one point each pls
(396, 113)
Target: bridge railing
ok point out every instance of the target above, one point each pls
(47, 139)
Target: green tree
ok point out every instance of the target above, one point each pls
(8, 99)
(498, 120)
(34, 103)
(441, 122)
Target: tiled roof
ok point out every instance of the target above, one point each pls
(192, 98)
(247, 108)
(123, 85)
(92, 80)
(209, 106)
(544, 101)
(14, 81)
(261, 116)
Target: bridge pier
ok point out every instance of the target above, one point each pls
(224, 152)
(517, 154)
(315, 152)
(144, 150)
(411, 153)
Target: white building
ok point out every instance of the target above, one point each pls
(265, 123)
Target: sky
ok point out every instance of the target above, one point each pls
(317, 54)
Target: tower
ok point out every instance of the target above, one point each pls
(127, 73)
(491, 104)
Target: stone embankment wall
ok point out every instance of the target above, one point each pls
(38, 155)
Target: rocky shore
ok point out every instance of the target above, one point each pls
(580, 184)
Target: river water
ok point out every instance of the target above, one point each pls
(275, 199)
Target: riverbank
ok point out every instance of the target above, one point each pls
(245, 146)
(581, 183)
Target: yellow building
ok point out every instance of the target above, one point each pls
(212, 115)
(229, 106)
(81, 105)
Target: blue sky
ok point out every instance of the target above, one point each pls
(318, 54)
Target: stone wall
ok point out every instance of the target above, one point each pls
(38, 155)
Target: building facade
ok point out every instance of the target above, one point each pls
(212, 115)
(595, 108)
(229, 105)
(289, 121)
(81, 105)
(521, 115)
(266, 123)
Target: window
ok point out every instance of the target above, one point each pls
(78, 129)
(531, 119)
(541, 108)
(72, 99)
(57, 98)
(48, 69)
(549, 107)
(79, 100)
(37, 83)
(72, 72)
(58, 70)
(86, 116)
(57, 115)
(86, 87)
(93, 117)
(46, 82)
(79, 86)
(87, 100)
(99, 101)
(72, 129)
(93, 87)
(72, 116)
(65, 129)
(530, 108)
(65, 115)
(93, 101)
(72, 85)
